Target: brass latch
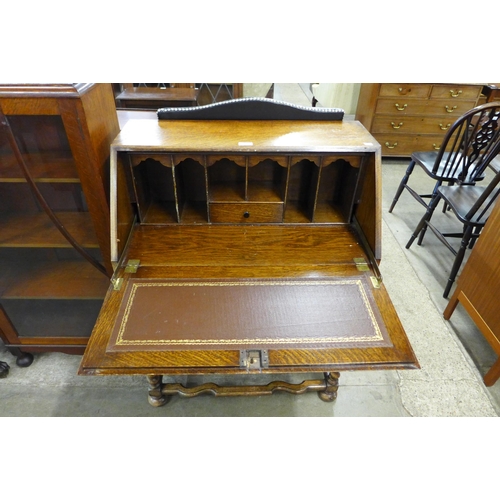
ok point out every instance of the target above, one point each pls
(132, 266)
(117, 283)
(254, 359)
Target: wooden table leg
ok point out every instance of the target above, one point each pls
(155, 396)
(332, 386)
(159, 393)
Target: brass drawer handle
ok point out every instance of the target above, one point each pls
(435, 146)
(391, 147)
(400, 108)
(448, 110)
(444, 127)
(455, 93)
(396, 126)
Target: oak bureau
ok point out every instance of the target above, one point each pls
(242, 247)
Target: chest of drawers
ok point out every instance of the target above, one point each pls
(408, 117)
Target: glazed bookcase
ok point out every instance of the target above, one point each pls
(54, 214)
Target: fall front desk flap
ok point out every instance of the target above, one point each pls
(172, 314)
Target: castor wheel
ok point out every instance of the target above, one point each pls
(4, 369)
(24, 359)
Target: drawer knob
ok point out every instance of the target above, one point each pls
(444, 127)
(399, 107)
(435, 146)
(391, 147)
(450, 110)
(246, 215)
(455, 93)
(397, 126)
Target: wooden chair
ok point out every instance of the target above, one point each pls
(471, 204)
(460, 157)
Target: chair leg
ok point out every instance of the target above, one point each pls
(434, 196)
(458, 260)
(422, 225)
(402, 185)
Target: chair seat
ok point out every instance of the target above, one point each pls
(461, 199)
(427, 160)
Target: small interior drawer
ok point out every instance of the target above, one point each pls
(246, 212)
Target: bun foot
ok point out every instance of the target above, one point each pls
(329, 395)
(24, 359)
(155, 396)
(158, 401)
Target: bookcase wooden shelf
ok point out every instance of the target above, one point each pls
(54, 214)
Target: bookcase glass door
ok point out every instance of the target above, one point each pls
(48, 285)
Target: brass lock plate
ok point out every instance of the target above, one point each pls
(254, 359)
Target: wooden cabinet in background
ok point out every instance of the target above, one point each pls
(478, 289)
(408, 117)
(54, 213)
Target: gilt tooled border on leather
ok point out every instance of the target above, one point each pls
(377, 337)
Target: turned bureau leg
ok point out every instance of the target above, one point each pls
(332, 386)
(155, 397)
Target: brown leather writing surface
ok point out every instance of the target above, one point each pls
(172, 314)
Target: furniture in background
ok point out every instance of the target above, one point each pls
(153, 96)
(245, 244)
(210, 93)
(461, 158)
(491, 92)
(471, 203)
(478, 289)
(408, 117)
(54, 214)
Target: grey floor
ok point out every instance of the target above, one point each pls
(453, 354)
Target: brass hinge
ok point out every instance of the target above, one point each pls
(132, 266)
(361, 264)
(254, 359)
